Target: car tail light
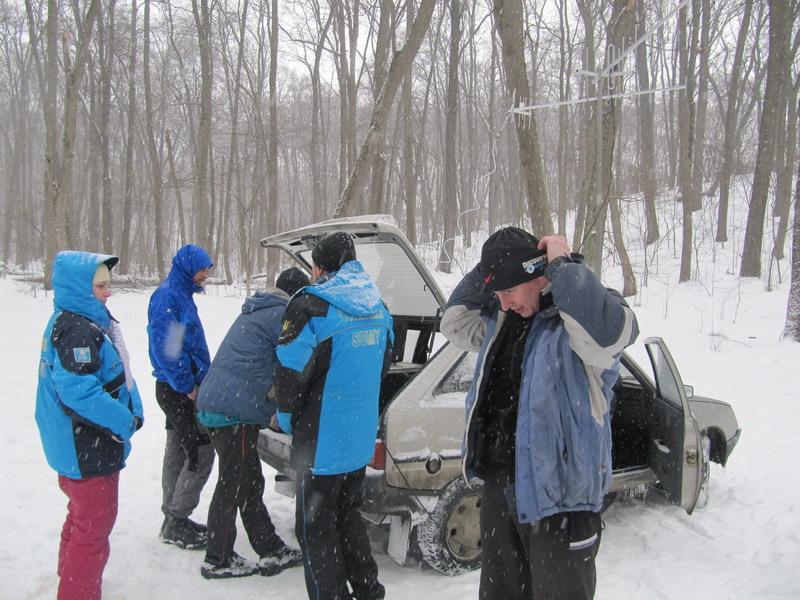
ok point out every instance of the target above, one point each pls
(379, 457)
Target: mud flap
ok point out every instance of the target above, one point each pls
(399, 534)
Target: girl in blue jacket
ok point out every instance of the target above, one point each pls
(87, 409)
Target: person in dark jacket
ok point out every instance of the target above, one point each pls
(235, 401)
(333, 351)
(180, 358)
(87, 409)
(549, 337)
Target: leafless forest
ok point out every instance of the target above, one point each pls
(135, 127)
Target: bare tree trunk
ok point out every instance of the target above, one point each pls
(792, 327)
(685, 131)
(447, 248)
(273, 212)
(509, 22)
(383, 43)
(628, 277)
(588, 133)
(699, 154)
(780, 26)
(609, 110)
(152, 150)
(317, 166)
(409, 174)
(783, 192)
(400, 65)
(731, 114)
(202, 19)
(176, 184)
(129, 148)
(647, 148)
(564, 71)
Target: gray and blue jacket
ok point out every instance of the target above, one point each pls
(176, 340)
(334, 348)
(237, 384)
(569, 366)
(83, 400)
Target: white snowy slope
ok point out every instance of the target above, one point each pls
(723, 333)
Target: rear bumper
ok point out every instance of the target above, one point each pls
(379, 499)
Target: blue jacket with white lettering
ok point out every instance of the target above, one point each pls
(83, 400)
(334, 348)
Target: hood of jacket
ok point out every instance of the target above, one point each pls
(73, 273)
(185, 265)
(264, 299)
(349, 289)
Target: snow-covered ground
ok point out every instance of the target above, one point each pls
(724, 335)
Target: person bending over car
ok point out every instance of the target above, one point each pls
(236, 401)
(333, 351)
(538, 433)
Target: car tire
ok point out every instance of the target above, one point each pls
(702, 497)
(450, 539)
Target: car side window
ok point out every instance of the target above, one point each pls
(665, 379)
(459, 378)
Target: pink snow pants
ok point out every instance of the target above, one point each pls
(84, 549)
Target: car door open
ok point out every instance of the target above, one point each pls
(675, 453)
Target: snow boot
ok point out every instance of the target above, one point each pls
(180, 533)
(199, 527)
(283, 557)
(235, 566)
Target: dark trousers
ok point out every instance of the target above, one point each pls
(333, 537)
(551, 559)
(240, 487)
(188, 455)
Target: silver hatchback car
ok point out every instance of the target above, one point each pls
(663, 435)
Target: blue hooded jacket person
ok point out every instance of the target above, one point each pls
(82, 401)
(180, 358)
(87, 409)
(177, 343)
(334, 350)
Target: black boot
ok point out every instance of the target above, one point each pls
(181, 533)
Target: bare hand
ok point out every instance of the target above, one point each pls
(555, 245)
(193, 394)
(274, 425)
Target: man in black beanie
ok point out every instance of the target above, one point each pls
(334, 349)
(538, 434)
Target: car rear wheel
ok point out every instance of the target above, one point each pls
(450, 539)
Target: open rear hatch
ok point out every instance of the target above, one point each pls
(412, 295)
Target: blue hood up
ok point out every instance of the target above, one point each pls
(73, 273)
(186, 263)
(349, 289)
(264, 299)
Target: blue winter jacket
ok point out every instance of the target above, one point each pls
(240, 376)
(82, 399)
(177, 343)
(571, 362)
(334, 348)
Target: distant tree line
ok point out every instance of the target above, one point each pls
(135, 127)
